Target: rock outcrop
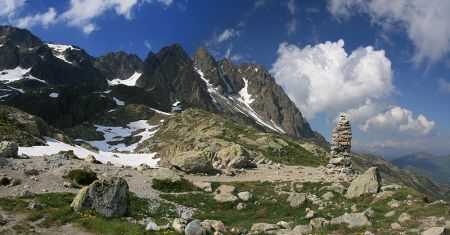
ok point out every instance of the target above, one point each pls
(367, 183)
(8, 149)
(108, 197)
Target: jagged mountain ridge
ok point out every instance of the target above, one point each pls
(171, 75)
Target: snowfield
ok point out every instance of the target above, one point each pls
(126, 159)
(131, 81)
(12, 75)
(58, 51)
(111, 149)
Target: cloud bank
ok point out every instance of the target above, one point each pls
(426, 22)
(326, 79)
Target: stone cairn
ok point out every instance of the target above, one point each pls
(340, 149)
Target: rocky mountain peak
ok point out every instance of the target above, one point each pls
(119, 65)
(20, 37)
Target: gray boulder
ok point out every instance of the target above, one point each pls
(8, 149)
(296, 199)
(193, 162)
(234, 156)
(263, 228)
(165, 174)
(436, 231)
(367, 183)
(194, 228)
(318, 223)
(108, 197)
(352, 220)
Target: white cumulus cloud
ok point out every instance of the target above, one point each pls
(9, 8)
(326, 79)
(45, 19)
(399, 120)
(426, 23)
(227, 34)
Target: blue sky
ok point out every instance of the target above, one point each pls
(386, 64)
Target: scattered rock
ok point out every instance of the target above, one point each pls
(396, 226)
(165, 174)
(214, 226)
(34, 205)
(284, 224)
(179, 225)
(152, 226)
(26, 194)
(8, 149)
(226, 189)
(436, 231)
(393, 203)
(108, 197)
(328, 196)
(91, 159)
(310, 215)
(404, 217)
(383, 195)
(319, 223)
(193, 162)
(143, 167)
(352, 220)
(240, 206)
(205, 186)
(354, 208)
(234, 156)
(225, 197)
(367, 183)
(194, 228)
(31, 171)
(263, 227)
(296, 199)
(245, 196)
(302, 229)
(390, 214)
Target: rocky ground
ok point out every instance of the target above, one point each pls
(272, 199)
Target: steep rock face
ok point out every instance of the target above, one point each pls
(205, 62)
(272, 104)
(254, 92)
(119, 65)
(56, 64)
(22, 37)
(170, 75)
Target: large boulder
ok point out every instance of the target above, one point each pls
(234, 156)
(193, 162)
(108, 197)
(352, 220)
(367, 183)
(164, 174)
(436, 231)
(263, 228)
(195, 228)
(8, 149)
(296, 199)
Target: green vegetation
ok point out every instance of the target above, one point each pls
(269, 205)
(56, 211)
(168, 186)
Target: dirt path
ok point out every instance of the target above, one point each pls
(273, 173)
(140, 182)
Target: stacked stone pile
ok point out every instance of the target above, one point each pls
(340, 149)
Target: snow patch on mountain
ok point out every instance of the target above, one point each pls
(118, 102)
(53, 95)
(58, 51)
(131, 81)
(16, 74)
(126, 159)
(176, 106)
(210, 87)
(115, 135)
